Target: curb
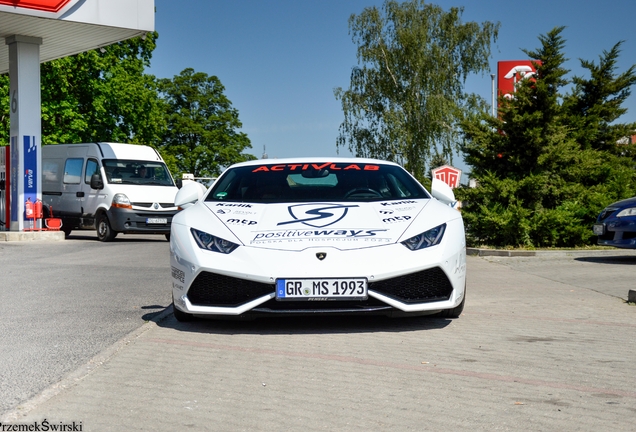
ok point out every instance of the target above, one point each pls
(22, 236)
(547, 253)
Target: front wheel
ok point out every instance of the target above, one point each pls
(105, 232)
(180, 315)
(456, 311)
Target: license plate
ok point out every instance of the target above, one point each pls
(156, 221)
(321, 289)
(599, 229)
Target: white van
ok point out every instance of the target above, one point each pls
(109, 187)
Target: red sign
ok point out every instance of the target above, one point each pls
(314, 166)
(448, 174)
(41, 5)
(511, 72)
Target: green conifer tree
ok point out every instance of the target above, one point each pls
(540, 183)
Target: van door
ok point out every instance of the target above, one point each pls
(72, 193)
(93, 197)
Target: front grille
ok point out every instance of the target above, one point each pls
(210, 289)
(606, 213)
(608, 236)
(617, 235)
(149, 205)
(424, 286)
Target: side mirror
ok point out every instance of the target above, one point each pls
(179, 183)
(443, 192)
(188, 195)
(96, 182)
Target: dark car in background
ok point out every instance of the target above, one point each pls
(616, 225)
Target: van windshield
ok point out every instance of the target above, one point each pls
(121, 171)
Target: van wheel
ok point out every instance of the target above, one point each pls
(67, 230)
(104, 231)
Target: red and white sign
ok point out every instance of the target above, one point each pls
(448, 174)
(49, 8)
(511, 72)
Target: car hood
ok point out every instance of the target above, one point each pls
(629, 202)
(297, 226)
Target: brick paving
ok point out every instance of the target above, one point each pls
(529, 353)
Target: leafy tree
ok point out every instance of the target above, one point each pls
(541, 183)
(407, 95)
(104, 95)
(98, 95)
(202, 133)
(4, 109)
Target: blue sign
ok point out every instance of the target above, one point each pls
(30, 168)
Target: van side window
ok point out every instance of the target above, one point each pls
(73, 171)
(91, 168)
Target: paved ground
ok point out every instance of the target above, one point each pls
(63, 302)
(535, 350)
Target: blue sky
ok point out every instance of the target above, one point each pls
(280, 60)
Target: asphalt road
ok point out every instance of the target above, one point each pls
(64, 302)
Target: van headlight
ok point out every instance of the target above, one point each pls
(121, 200)
(426, 239)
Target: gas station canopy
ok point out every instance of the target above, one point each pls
(68, 27)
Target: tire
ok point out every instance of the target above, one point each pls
(456, 311)
(105, 232)
(66, 229)
(180, 315)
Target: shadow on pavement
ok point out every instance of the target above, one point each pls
(307, 325)
(137, 238)
(619, 259)
(158, 310)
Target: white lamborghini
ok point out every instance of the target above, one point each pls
(317, 236)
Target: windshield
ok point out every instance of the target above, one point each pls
(121, 171)
(302, 182)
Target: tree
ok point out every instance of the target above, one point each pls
(98, 95)
(202, 134)
(541, 183)
(4, 110)
(406, 95)
(596, 103)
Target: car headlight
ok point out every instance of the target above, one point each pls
(627, 212)
(209, 242)
(121, 200)
(426, 239)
